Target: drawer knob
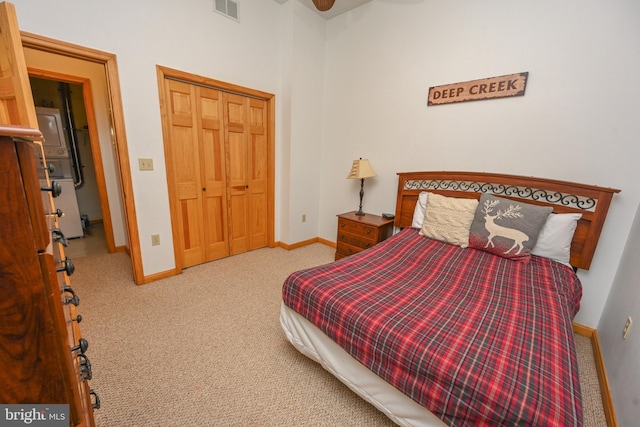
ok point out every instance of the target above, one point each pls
(85, 367)
(75, 300)
(57, 213)
(83, 346)
(58, 237)
(368, 231)
(55, 188)
(68, 268)
(96, 404)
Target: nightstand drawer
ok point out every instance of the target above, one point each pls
(357, 228)
(356, 240)
(346, 249)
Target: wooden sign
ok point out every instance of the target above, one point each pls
(475, 90)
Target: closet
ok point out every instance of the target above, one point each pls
(217, 157)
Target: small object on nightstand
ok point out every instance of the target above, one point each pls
(359, 232)
(388, 216)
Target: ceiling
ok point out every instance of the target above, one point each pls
(339, 7)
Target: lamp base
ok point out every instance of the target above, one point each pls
(360, 213)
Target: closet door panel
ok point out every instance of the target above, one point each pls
(185, 155)
(235, 111)
(258, 170)
(211, 128)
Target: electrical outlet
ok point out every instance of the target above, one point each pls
(155, 240)
(145, 164)
(304, 217)
(627, 328)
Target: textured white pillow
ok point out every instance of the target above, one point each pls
(449, 219)
(554, 240)
(418, 212)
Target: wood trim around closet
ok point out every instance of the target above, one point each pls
(164, 73)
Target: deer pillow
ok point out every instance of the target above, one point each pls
(506, 227)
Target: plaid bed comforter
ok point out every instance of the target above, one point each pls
(477, 339)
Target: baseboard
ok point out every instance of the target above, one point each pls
(605, 391)
(306, 243)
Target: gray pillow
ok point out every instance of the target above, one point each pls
(506, 227)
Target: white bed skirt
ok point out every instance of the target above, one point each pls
(314, 344)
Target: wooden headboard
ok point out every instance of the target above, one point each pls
(565, 197)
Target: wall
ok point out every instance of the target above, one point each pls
(621, 356)
(307, 102)
(578, 120)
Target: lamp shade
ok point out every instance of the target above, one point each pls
(361, 169)
(323, 5)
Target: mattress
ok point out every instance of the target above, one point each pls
(474, 338)
(311, 342)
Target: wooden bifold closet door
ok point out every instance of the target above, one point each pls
(217, 163)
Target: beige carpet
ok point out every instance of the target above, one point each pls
(205, 348)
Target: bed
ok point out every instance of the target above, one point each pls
(464, 316)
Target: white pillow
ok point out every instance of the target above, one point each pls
(449, 219)
(418, 212)
(554, 240)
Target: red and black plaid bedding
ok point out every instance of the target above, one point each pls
(477, 339)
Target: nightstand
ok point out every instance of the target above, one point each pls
(357, 233)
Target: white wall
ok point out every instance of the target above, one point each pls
(621, 356)
(578, 120)
(307, 102)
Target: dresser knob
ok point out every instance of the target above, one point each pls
(68, 268)
(85, 367)
(83, 345)
(96, 404)
(77, 319)
(75, 300)
(50, 168)
(58, 237)
(55, 189)
(57, 213)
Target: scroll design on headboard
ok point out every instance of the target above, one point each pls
(526, 193)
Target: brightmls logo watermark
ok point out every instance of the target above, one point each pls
(34, 415)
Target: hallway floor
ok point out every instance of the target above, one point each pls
(92, 243)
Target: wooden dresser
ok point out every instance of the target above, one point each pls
(359, 232)
(42, 355)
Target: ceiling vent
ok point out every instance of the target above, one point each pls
(228, 8)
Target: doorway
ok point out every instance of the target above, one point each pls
(125, 230)
(87, 220)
